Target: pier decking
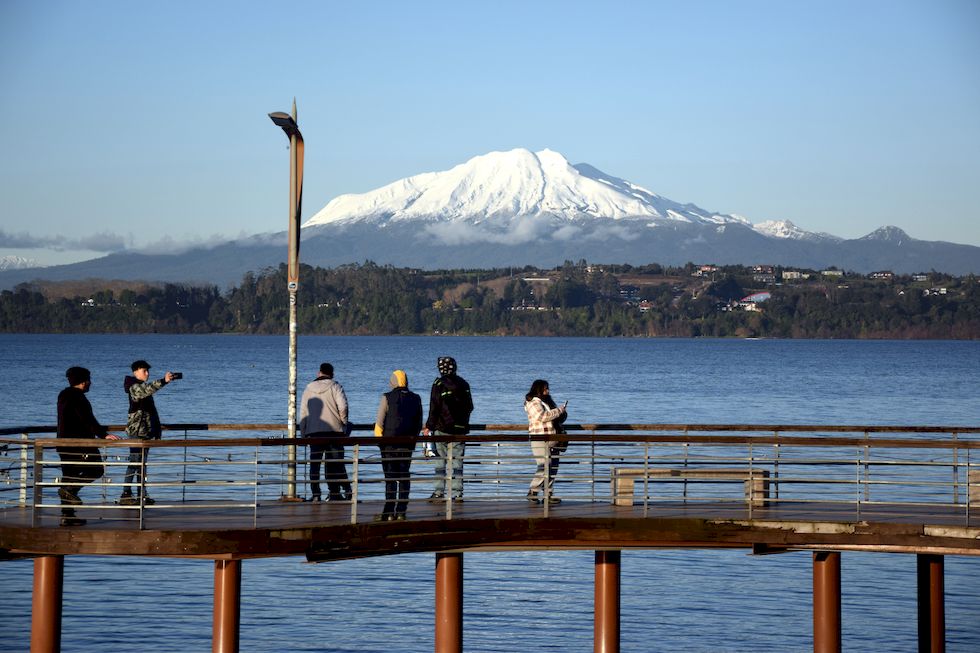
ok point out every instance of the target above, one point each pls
(824, 488)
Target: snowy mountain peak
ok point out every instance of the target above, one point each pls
(504, 191)
(17, 263)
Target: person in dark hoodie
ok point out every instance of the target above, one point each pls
(450, 406)
(143, 424)
(323, 414)
(399, 415)
(79, 465)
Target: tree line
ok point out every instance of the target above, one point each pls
(576, 299)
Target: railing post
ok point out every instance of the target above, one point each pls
(449, 603)
(49, 573)
(931, 603)
(355, 483)
(867, 470)
(826, 602)
(956, 471)
(23, 468)
(607, 601)
(547, 491)
(38, 479)
(775, 466)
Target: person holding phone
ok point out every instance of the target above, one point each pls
(143, 423)
(544, 417)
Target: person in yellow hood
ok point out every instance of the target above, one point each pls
(399, 416)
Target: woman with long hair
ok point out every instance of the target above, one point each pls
(544, 418)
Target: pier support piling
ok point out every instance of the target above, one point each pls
(449, 603)
(826, 602)
(932, 609)
(227, 606)
(49, 574)
(607, 601)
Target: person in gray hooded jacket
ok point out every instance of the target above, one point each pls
(323, 414)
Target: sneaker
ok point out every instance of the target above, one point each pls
(553, 500)
(127, 500)
(384, 516)
(457, 499)
(73, 521)
(68, 497)
(399, 516)
(437, 497)
(148, 501)
(314, 498)
(533, 497)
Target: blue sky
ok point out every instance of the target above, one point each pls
(144, 124)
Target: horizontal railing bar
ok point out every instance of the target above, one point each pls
(606, 440)
(782, 428)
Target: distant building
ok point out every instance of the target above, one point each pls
(795, 274)
(705, 270)
(884, 274)
(832, 273)
(763, 269)
(920, 277)
(934, 291)
(764, 277)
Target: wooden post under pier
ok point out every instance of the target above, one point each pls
(826, 602)
(607, 601)
(227, 606)
(49, 574)
(449, 603)
(932, 609)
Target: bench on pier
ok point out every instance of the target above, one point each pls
(756, 481)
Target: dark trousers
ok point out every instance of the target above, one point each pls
(395, 463)
(332, 455)
(134, 473)
(76, 476)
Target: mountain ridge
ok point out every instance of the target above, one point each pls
(524, 208)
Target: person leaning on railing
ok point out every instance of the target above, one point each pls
(323, 415)
(79, 465)
(399, 416)
(543, 418)
(450, 407)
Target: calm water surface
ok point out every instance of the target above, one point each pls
(672, 600)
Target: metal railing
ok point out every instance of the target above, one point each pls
(919, 470)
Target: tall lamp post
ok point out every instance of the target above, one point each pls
(289, 125)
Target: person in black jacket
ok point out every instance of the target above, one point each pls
(450, 406)
(79, 465)
(400, 416)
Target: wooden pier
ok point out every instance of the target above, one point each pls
(798, 513)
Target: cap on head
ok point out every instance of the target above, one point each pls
(398, 379)
(446, 365)
(326, 369)
(139, 365)
(78, 375)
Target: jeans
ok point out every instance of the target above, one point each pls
(134, 473)
(546, 454)
(395, 462)
(75, 476)
(332, 453)
(443, 450)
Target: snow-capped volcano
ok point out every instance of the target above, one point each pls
(510, 196)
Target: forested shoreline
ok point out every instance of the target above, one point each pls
(576, 299)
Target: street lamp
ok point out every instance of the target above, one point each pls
(291, 128)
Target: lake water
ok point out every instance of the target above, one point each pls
(532, 601)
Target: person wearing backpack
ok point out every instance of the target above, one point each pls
(450, 406)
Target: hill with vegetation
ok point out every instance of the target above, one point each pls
(575, 299)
